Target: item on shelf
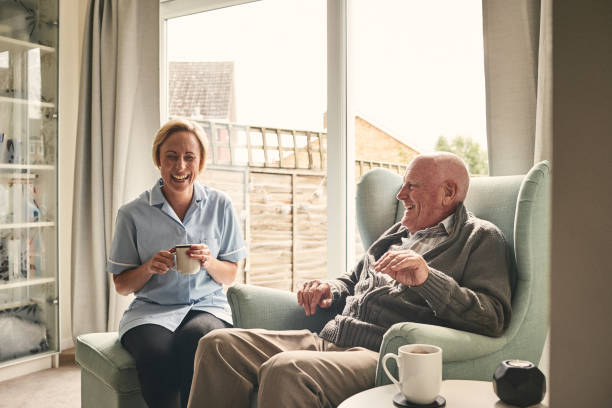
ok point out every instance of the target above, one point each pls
(36, 151)
(25, 20)
(13, 19)
(16, 198)
(519, 382)
(4, 260)
(21, 256)
(11, 151)
(4, 64)
(24, 196)
(48, 133)
(5, 212)
(33, 209)
(15, 259)
(21, 337)
(35, 253)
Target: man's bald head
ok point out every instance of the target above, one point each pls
(447, 167)
(434, 184)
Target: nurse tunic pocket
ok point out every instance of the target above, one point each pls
(212, 244)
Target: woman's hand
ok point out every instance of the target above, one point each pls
(161, 262)
(200, 252)
(131, 280)
(223, 272)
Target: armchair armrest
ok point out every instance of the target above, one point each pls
(457, 345)
(273, 309)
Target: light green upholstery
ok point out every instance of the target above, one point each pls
(518, 205)
(108, 373)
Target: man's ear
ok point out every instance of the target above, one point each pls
(450, 192)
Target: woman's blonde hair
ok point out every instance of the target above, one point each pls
(178, 125)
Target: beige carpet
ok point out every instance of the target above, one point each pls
(52, 388)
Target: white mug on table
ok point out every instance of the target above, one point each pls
(420, 372)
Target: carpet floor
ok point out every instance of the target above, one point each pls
(52, 388)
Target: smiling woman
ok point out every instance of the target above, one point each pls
(172, 310)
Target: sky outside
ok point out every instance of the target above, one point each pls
(415, 67)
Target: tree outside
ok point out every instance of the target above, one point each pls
(469, 150)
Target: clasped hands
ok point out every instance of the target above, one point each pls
(405, 266)
(162, 261)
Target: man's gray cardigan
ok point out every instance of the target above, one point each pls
(468, 287)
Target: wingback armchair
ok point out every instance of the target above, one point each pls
(518, 205)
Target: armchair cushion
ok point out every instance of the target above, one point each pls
(108, 373)
(273, 309)
(103, 354)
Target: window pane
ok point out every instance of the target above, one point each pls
(417, 82)
(254, 76)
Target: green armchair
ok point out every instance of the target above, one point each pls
(518, 205)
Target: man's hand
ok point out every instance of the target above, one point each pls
(405, 266)
(314, 293)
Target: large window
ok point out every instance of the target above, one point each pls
(301, 97)
(254, 76)
(416, 83)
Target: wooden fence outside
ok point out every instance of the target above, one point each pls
(281, 203)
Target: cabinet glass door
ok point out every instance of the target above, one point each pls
(28, 178)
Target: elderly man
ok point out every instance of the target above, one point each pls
(440, 265)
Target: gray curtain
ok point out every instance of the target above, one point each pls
(518, 75)
(118, 117)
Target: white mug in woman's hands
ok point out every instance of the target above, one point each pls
(185, 264)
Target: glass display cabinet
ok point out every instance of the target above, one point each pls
(29, 326)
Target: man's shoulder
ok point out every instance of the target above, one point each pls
(482, 227)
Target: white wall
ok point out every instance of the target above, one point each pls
(581, 304)
(72, 19)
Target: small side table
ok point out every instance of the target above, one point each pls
(458, 394)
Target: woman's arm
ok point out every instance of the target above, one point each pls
(223, 272)
(131, 280)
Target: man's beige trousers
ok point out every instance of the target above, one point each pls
(287, 369)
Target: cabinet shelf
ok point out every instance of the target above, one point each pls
(37, 224)
(16, 305)
(4, 166)
(26, 282)
(20, 176)
(11, 44)
(22, 101)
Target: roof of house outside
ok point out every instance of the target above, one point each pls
(386, 131)
(202, 90)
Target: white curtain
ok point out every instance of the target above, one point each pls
(118, 117)
(518, 75)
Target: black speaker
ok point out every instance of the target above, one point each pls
(518, 382)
